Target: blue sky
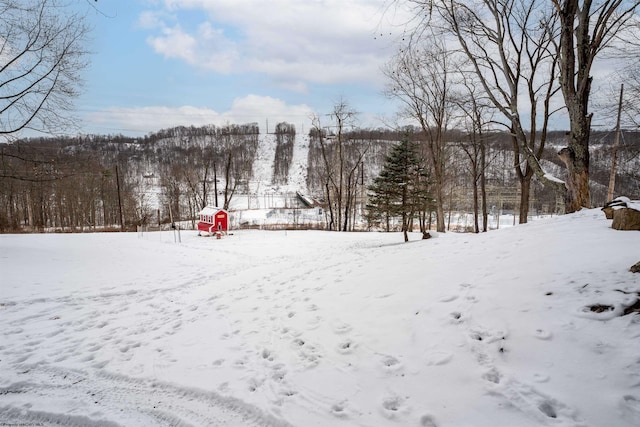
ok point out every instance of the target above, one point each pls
(161, 63)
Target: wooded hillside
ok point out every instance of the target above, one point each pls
(102, 181)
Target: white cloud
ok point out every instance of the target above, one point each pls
(251, 108)
(175, 43)
(299, 41)
(207, 47)
(150, 20)
(257, 108)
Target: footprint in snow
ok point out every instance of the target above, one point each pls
(391, 364)
(254, 384)
(240, 363)
(266, 354)
(548, 409)
(309, 356)
(492, 375)
(339, 410)
(427, 421)
(278, 373)
(392, 406)
(298, 342)
(456, 317)
(449, 298)
(346, 347)
(340, 327)
(288, 392)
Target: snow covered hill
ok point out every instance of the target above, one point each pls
(518, 327)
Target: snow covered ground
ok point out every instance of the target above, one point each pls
(313, 328)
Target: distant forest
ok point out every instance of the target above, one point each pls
(91, 182)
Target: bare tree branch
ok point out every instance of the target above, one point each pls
(41, 56)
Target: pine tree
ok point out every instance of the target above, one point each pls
(401, 189)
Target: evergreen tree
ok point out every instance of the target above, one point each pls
(401, 189)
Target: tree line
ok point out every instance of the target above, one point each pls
(117, 182)
(93, 182)
(466, 74)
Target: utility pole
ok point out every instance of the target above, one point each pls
(215, 183)
(614, 151)
(119, 199)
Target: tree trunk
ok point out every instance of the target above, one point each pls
(476, 210)
(440, 227)
(331, 220)
(576, 159)
(525, 192)
(347, 206)
(577, 178)
(483, 187)
(576, 57)
(405, 227)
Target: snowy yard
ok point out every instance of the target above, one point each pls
(313, 328)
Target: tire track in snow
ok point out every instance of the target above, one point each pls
(104, 399)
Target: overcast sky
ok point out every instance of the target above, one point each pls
(162, 63)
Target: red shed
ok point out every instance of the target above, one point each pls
(213, 219)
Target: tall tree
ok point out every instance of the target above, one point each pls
(420, 77)
(586, 28)
(340, 160)
(401, 189)
(476, 111)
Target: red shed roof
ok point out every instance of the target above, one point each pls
(211, 210)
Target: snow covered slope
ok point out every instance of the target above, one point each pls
(263, 192)
(315, 328)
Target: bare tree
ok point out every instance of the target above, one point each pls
(420, 77)
(586, 28)
(341, 160)
(508, 44)
(476, 112)
(41, 55)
